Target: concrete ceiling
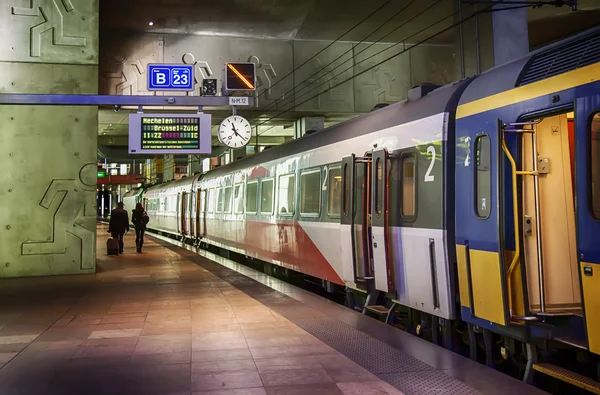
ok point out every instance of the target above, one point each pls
(318, 20)
(276, 19)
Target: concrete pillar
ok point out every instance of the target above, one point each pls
(511, 39)
(169, 168)
(48, 154)
(302, 125)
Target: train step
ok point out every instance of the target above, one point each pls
(377, 309)
(568, 376)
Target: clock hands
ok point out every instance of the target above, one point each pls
(237, 134)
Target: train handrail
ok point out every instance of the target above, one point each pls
(515, 260)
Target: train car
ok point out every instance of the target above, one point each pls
(475, 205)
(132, 197)
(171, 207)
(528, 199)
(340, 204)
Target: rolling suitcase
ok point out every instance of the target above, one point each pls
(112, 246)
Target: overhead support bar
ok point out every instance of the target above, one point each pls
(115, 100)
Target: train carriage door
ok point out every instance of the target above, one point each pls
(203, 211)
(480, 223)
(190, 213)
(587, 184)
(178, 213)
(379, 220)
(355, 220)
(198, 213)
(183, 213)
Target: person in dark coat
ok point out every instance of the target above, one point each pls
(119, 224)
(139, 219)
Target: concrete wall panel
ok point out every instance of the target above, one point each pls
(323, 71)
(48, 154)
(124, 61)
(433, 64)
(125, 58)
(49, 31)
(386, 83)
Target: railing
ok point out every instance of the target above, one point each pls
(535, 173)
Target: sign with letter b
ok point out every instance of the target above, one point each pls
(171, 77)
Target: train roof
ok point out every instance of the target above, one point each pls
(436, 102)
(133, 192)
(174, 183)
(566, 55)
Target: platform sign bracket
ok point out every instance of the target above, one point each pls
(36, 99)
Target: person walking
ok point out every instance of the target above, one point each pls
(140, 219)
(119, 224)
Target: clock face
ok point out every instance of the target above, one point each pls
(235, 131)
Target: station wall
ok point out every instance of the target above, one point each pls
(124, 59)
(48, 154)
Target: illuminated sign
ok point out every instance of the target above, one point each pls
(240, 76)
(101, 174)
(169, 133)
(171, 77)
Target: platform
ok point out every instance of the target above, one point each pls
(178, 321)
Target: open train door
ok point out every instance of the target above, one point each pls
(355, 222)
(480, 226)
(379, 220)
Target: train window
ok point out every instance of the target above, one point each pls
(483, 177)
(211, 200)
(286, 191)
(334, 191)
(346, 196)
(595, 165)
(227, 198)
(379, 187)
(409, 186)
(238, 199)
(220, 200)
(310, 193)
(266, 196)
(252, 197)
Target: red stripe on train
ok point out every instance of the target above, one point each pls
(284, 241)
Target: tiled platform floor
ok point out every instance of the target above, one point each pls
(157, 323)
(175, 320)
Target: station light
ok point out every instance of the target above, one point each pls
(240, 76)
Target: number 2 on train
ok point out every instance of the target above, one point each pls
(428, 176)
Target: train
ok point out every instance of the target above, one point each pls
(471, 210)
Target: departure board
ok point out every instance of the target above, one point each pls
(169, 133)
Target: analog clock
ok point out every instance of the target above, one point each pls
(235, 132)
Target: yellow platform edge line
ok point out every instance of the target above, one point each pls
(571, 79)
(544, 368)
